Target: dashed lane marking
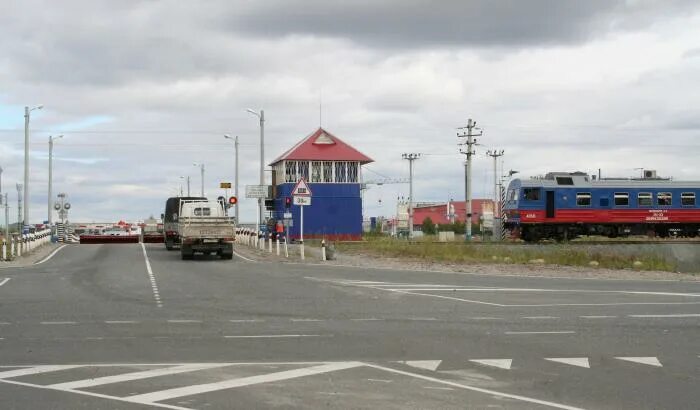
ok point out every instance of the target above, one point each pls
(288, 336)
(669, 316)
(152, 278)
(4, 281)
(59, 323)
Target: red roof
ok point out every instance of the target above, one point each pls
(321, 145)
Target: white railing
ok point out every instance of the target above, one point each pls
(17, 245)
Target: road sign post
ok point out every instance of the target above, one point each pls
(302, 197)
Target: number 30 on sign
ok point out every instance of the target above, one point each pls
(302, 200)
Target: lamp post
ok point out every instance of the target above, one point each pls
(201, 169)
(261, 116)
(235, 183)
(50, 210)
(27, 111)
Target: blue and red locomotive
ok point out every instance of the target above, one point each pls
(564, 205)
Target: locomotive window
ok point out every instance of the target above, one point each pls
(664, 198)
(565, 181)
(622, 199)
(688, 199)
(512, 195)
(531, 194)
(644, 199)
(583, 198)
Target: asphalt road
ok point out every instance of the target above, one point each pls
(131, 327)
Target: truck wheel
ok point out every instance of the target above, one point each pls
(169, 244)
(186, 253)
(227, 256)
(226, 252)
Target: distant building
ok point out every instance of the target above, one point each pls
(454, 211)
(333, 170)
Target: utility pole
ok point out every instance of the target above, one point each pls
(410, 158)
(0, 182)
(188, 185)
(495, 154)
(50, 208)
(7, 218)
(467, 132)
(235, 145)
(19, 208)
(261, 201)
(201, 170)
(27, 110)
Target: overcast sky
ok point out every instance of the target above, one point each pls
(142, 90)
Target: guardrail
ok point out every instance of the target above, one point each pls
(17, 245)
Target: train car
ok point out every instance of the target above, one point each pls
(564, 205)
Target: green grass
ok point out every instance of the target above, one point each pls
(461, 253)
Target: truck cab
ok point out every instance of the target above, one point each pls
(171, 236)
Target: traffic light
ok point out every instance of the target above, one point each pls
(232, 200)
(287, 202)
(270, 204)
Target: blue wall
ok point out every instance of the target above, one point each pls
(335, 211)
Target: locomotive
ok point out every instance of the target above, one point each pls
(565, 205)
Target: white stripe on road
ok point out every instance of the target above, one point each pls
(673, 315)
(242, 257)
(650, 361)
(4, 281)
(473, 388)
(169, 394)
(500, 363)
(152, 278)
(572, 361)
(98, 381)
(271, 336)
(35, 370)
(51, 255)
(556, 332)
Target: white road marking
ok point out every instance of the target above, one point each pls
(98, 381)
(473, 388)
(168, 394)
(651, 361)
(152, 278)
(120, 322)
(4, 281)
(431, 365)
(597, 317)
(673, 315)
(500, 363)
(540, 317)
(271, 336)
(184, 321)
(59, 323)
(555, 332)
(422, 318)
(35, 370)
(243, 257)
(306, 320)
(51, 255)
(246, 320)
(5, 323)
(573, 361)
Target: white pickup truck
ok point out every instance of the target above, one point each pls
(204, 227)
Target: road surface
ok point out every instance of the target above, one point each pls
(128, 326)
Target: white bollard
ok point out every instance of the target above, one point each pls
(323, 250)
(19, 246)
(301, 249)
(4, 249)
(269, 241)
(277, 245)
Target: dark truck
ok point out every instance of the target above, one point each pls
(171, 234)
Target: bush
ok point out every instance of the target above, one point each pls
(428, 227)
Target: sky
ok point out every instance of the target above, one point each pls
(144, 89)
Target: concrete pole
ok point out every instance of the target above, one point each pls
(48, 201)
(235, 141)
(7, 217)
(468, 193)
(201, 169)
(261, 201)
(19, 208)
(410, 158)
(188, 185)
(26, 167)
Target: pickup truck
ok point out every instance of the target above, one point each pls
(204, 227)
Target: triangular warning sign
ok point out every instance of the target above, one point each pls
(301, 189)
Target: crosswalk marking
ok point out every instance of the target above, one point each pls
(651, 361)
(573, 361)
(168, 394)
(80, 384)
(431, 365)
(499, 363)
(35, 370)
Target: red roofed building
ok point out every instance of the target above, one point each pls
(439, 213)
(333, 170)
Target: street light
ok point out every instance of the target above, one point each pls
(27, 110)
(51, 140)
(235, 144)
(201, 169)
(261, 116)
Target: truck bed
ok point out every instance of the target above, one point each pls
(207, 228)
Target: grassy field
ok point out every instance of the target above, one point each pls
(456, 252)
